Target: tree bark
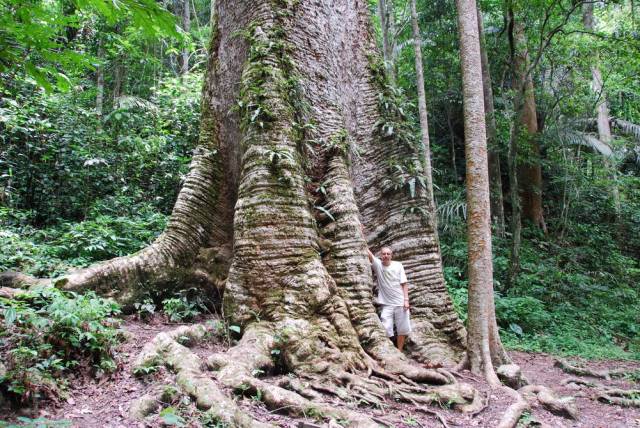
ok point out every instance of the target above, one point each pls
(100, 81)
(483, 343)
(495, 174)
(118, 77)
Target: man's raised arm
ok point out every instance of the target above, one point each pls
(369, 253)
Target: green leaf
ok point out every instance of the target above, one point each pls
(516, 329)
(326, 211)
(235, 328)
(10, 316)
(169, 417)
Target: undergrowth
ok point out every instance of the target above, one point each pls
(47, 332)
(576, 296)
(53, 250)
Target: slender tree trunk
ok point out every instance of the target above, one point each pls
(452, 142)
(604, 128)
(100, 81)
(186, 26)
(512, 161)
(118, 77)
(387, 24)
(422, 100)
(483, 343)
(495, 175)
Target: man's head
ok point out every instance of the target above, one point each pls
(385, 255)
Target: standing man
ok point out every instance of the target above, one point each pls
(393, 294)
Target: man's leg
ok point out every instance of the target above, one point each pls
(386, 316)
(403, 325)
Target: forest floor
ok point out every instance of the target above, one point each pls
(105, 402)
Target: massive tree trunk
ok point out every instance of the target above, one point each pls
(300, 142)
(484, 348)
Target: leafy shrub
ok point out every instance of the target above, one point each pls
(49, 331)
(52, 251)
(527, 313)
(145, 309)
(184, 306)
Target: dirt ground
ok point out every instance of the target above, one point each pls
(105, 402)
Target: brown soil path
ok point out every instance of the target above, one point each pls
(105, 402)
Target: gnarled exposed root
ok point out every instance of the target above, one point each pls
(621, 397)
(605, 394)
(164, 349)
(526, 395)
(563, 406)
(514, 411)
(11, 281)
(10, 293)
(237, 367)
(570, 368)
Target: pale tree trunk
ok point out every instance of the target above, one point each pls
(452, 141)
(186, 26)
(604, 128)
(495, 174)
(530, 172)
(484, 348)
(422, 101)
(100, 81)
(118, 77)
(387, 23)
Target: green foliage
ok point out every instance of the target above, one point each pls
(51, 251)
(24, 422)
(35, 35)
(145, 309)
(578, 298)
(63, 166)
(184, 306)
(47, 332)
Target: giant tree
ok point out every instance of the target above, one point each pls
(301, 141)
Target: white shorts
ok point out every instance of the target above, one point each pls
(397, 315)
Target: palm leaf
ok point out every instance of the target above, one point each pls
(627, 128)
(588, 140)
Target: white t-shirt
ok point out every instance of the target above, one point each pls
(390, 279)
